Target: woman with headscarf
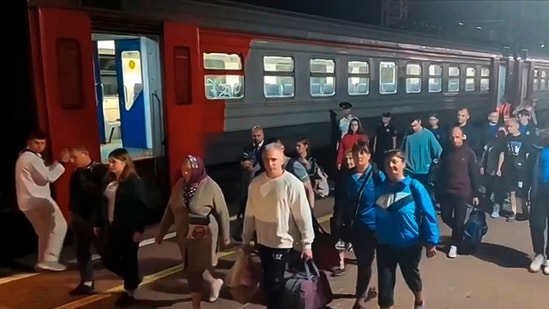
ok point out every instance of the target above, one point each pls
(195, 200)
(354, 134)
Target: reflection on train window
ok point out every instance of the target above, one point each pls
(224, 86)
(413, 78)
(222, 61)
(453, 79)
(484, 79)
(278, 79)
(543, 81)
(535, 86)
(435, 78)
(322, 77)
(388, 81)
(110, 85)
(227, 85)
(470, 73)
(358, 80)
(107, 63)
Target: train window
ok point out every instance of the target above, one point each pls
(322, 78)
(224, 78)
(358, 80)
(543, 81)
(69, 73)
(484, 79)
(413, 78)
(388, 81)
(182, 69)
(435, 78)
(453, 79)
(535, 86)
(278, 79)
(470, 74)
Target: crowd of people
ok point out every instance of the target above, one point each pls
(386, 202)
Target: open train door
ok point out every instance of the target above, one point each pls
(182, 66)
(62, 54)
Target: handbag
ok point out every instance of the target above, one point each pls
(198, 226)
(348, 227)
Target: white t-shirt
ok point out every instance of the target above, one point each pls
(279, 212)
(33, 178)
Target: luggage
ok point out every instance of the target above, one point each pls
(475, 229)
(309, 289)
(325, 253)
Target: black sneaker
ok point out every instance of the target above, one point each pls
(125, 300)
(82, 289)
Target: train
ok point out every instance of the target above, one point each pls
(168, 78)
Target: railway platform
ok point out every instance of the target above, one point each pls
(495, 277)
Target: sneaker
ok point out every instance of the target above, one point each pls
(125, 300)
(495, 211)
(453, 252)
(537, 262)
(49, 266)
(215, 289)
(338, 272)
(83, 289)
(512, 217)
(422, 306)
(546, 268)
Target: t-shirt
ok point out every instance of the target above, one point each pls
(384, 137)
(515, 151)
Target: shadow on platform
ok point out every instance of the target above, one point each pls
(502, 256)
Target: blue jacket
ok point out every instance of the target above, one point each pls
(399, 212)
(350, 185)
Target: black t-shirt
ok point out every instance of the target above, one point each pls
(384, 137)
(516, 150)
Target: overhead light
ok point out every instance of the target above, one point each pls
(460, 24)
(542, 45)
(479, 28)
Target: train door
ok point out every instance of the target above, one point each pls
(129, 92)
(524, 82)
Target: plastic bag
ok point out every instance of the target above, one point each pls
(242, 273)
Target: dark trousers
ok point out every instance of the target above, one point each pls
(539, 222)
(387, 260)
(273, 262)
(454, 212)
(494, 185)
(84, 238)
(364, 247)
(120, 257)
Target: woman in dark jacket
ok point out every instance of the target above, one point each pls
(123, 216)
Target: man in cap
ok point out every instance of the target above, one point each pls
(385, 139)
(346, 119)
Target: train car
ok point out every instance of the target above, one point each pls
(167, 78)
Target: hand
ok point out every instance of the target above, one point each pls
(65, 156)
(137, 237)
(307, 254)
(339, 167)
(97, 231)
(247, 164)
(158, 239)
(482, 171)
(476, 201)
(430, 251)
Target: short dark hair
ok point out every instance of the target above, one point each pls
(36, 134)
(361, 146)
(416, 118)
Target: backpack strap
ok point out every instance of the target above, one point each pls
(358, 198)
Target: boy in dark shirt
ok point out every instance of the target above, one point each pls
(513, 167)
(385, 139)
(488, 169)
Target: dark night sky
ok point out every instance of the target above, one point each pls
(500, 16)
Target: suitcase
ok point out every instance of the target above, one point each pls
(309, 289)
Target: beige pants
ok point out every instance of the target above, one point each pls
(50, 227)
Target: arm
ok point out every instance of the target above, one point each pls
(435, 146)
(473, 174)
(42, 174)
(248, 228)
(139, 203)
(168, 217)
(500, 162)
(340, 152)
(429, 231)
(301, 173)
(221, 212)
(300, 210)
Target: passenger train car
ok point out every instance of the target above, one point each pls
(167, 78)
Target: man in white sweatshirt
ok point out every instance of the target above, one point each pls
(32, 180)
(277, 209)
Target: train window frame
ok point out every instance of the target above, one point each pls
(413, 76)
(453, 79)
(435, 78)
(394, 65)
(276, 74)
(216, 85)
(362, 78)
(484, 79)
(470, 77)
(319, 75)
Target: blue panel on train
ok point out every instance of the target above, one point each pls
(99, 93)
(130, 93)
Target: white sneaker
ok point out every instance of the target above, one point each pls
(495, 211)
(453, 252)
(546, 268)
(50, 266)
(537, 262)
